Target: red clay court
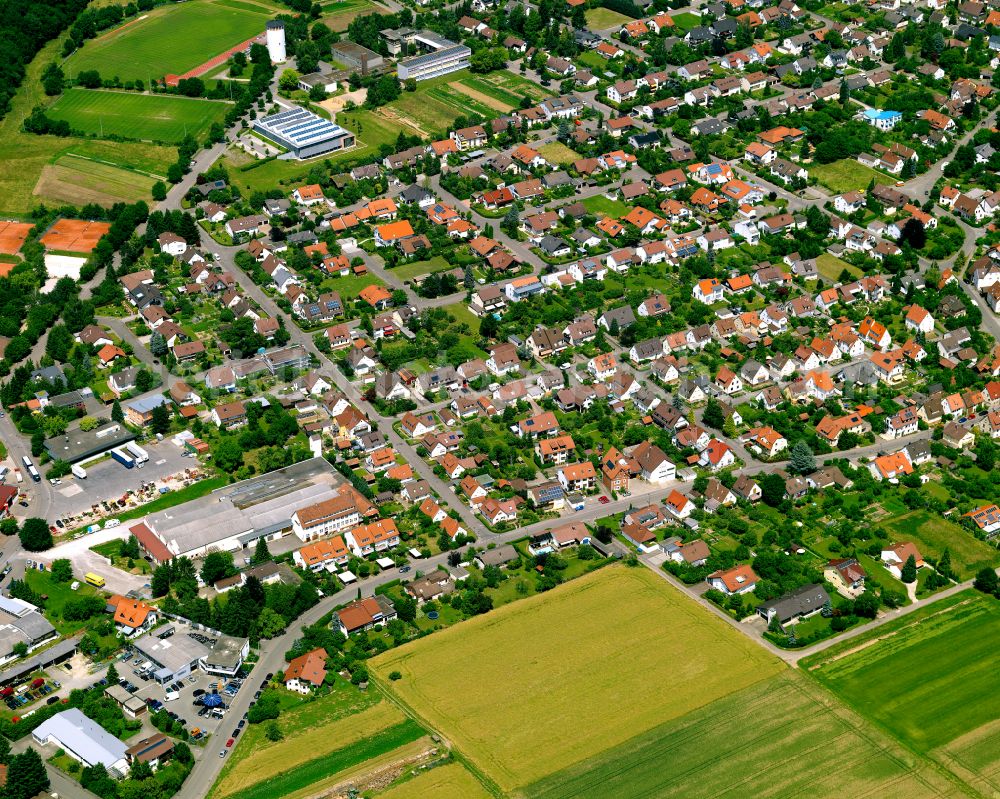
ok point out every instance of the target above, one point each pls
(74, 235)
(12, 236)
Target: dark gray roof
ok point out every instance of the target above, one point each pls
(801, 601)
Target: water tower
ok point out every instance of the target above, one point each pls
(276, 41)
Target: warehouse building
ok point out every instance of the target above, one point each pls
(234, 517)
(187, 650)
(442, 56)
(77, 445)
(303, 133)
(84, 740)
(22, 623)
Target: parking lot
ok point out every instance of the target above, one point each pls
(108, 480)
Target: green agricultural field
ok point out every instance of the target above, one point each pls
(600, 19)
(779, 738)
(171, 39)
(145, 117)
(338, 15)
(830, 267)
(311, 730)
(582, 692)
(847, 175)
(932, 534)
(444, 782)
(928, 677)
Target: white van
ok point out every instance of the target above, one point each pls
(171, 696)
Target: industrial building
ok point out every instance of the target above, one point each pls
(303, 133)
(440, 55)
(21, 623)
(84, 740)
(355, 57)
(77, 445)
(234, 517)
(177, 656)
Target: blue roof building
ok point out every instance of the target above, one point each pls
(883, 120)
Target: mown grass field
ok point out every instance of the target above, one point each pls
(171, 39)
(600, 206)
(414, 269)
(782, 737)
(847, 175)
(338, 15)
(929, 678)
(444, 782)
(932, 535)
(146, 117)
(311, 730)
(585, 667)
(599, 19)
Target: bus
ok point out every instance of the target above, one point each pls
(94, 579)
(34, 474)
(26, 461)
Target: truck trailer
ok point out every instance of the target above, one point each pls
(123, 458)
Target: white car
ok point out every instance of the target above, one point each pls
(112, 523)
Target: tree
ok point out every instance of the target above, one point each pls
(261, 553)
(772, 489)
(112, 674)
(866, 605)
(160, 583)
(289, 80)
(117, 414)
(913, 233)
(986, 581)
(802, 459)
(26, 776)
(845, 92)
(909, 572)
(713, 415)
(270, 623)
(159, 191)
(161, 419)
(59, 343)
(4, 750)
(35, 535)
(273, 732)
(157, 344)
(62, 570)
(52, 80)
(944, 567)
(216, 566)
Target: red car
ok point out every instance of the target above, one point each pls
(603, 500)
(230, 743)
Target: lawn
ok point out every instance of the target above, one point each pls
(565, 679)
(58, 595)
(686, 20)
(462, 313)
(600, 206)
(779, 738)
(830, 267)
(928, 677)
(444, 782)
(932, 534)
(419, 268)
(171, 39)
(351, 286)
(146, 117)
(847, 175)
(600, 19)
(556, 152)
(312, 730)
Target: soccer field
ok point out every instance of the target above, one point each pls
(544, 683)
(782, 737)
(928, 677)
(147, 117)
(171, 39)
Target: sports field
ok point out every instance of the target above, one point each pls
(445, 782)
(847, 175)
(929, 677)
(575, 671)
(782, 737)
(172, 38)
(932, 535)
(12, 235)
(79, 181)
(74, 235)
(145, 117)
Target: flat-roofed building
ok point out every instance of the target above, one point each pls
(83, 739)
(443, 56)
(356, 57)
(303, 133)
